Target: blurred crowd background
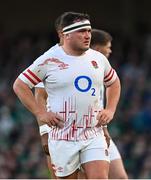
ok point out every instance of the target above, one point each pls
(21, 154)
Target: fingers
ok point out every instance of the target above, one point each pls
(59, 117)
(104, 120)
(104, 117)
(58, 122)
(52, 119)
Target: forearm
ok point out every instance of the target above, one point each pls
(42, 104)
(26, 96)
(41, 97)
(113, 95)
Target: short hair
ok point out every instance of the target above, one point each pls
(100, 37)
(68, 18)
(58, 26)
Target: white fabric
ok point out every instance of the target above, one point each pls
(44, 129)
(113, 151)
(77, 26)
(40, 85)
(66, 157)
(73, 85)
(77, 29)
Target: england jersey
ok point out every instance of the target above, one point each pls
(73, 85)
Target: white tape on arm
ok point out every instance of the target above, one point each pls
(105, 126)
(43, 129)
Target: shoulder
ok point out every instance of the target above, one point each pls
(50, 53)
(95, 53)
(97, 56)
(52, 49)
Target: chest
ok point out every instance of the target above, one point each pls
(72, 72)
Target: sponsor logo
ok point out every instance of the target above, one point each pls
(87, 88)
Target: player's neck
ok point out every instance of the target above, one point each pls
(72, 52)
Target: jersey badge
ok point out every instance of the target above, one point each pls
(94, 64)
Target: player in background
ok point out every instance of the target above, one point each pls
(102, 41)
(76, 125)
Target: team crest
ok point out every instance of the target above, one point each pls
(95, 65)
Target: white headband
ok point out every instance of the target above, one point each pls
(77, 26)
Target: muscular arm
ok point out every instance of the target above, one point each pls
(112, 99)
(41, 96)
(113, 95)
(27, 98)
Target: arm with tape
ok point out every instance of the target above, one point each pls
(43, 130)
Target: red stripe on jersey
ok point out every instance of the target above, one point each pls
(74, 128)
(32, 81)
(85, 135)
(109, 77)
(108, 74)
(31, 73)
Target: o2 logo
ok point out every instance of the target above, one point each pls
(84, 89)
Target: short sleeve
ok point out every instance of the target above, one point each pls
(35, 73)
(110, 74)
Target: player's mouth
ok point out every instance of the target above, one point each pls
(87, 43)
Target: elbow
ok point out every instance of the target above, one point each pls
(18, 86)
(15, 86)
(117, 83)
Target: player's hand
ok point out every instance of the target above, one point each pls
(104, 117)
(50, 118)
(44, 140)
(107, 136)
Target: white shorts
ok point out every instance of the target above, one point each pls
(113, 151)
(67, 156)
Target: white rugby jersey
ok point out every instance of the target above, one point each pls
(73, 85)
